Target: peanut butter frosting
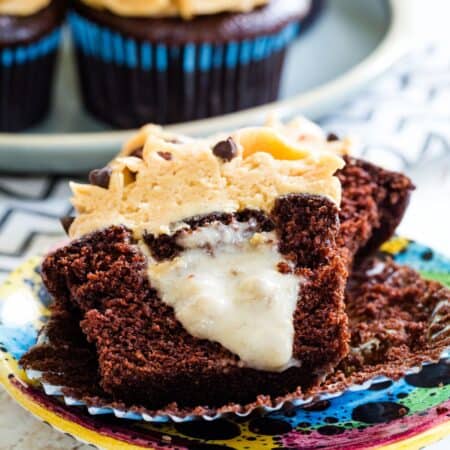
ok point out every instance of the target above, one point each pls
(174, 177)
(22, 7)
(171, 8)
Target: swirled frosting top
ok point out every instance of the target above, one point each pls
(160, 179)
(172, 8)
(22, 7)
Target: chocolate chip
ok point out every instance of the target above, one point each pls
(100, 177)
(332, 137)
(138, 152)
(66, 222)
(226, 150)
(165, 155)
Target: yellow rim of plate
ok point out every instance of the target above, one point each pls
(420, 440)
(61, 424)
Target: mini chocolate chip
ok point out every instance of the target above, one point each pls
(165, 155)
(226, 150)
(332, 137)
(137, 152)
(100, 177)
(66, 221)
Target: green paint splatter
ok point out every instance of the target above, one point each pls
(443, 278)
(421, 399)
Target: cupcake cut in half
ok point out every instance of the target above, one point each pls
(207, 272)
(208, 275)
(29, 40)
(173, 61)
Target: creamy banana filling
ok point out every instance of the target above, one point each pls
(226, 286)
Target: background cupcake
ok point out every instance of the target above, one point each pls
(29, 40)
(167, 61)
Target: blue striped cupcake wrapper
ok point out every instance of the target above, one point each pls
(110, 46)
(127, 82)
(22, 54)
(26, 78)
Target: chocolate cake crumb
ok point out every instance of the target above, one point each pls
(95, 269)
(163, 246)
(374, 201)
(299, 223)
(392, 322)
(284, 267)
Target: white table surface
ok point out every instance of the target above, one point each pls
(404, 121)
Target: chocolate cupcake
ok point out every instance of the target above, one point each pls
(170, 61)
(226, 262)
(29, 40)
(206, 277)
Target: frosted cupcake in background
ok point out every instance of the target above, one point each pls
(171, 61)
(29, 40)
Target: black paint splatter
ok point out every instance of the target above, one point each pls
(304, 425)
(380, 386)
(331, 420)
(290, 411)
(270, 427)
(432, 375)
(427, 255)
(330, 430)
(215, 430)
(199, 446)
(318, 406)
(379, 412)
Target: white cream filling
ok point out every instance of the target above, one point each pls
(226, 287)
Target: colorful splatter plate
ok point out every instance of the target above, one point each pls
(405, 414)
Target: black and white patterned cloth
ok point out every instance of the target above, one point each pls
(403, 119)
